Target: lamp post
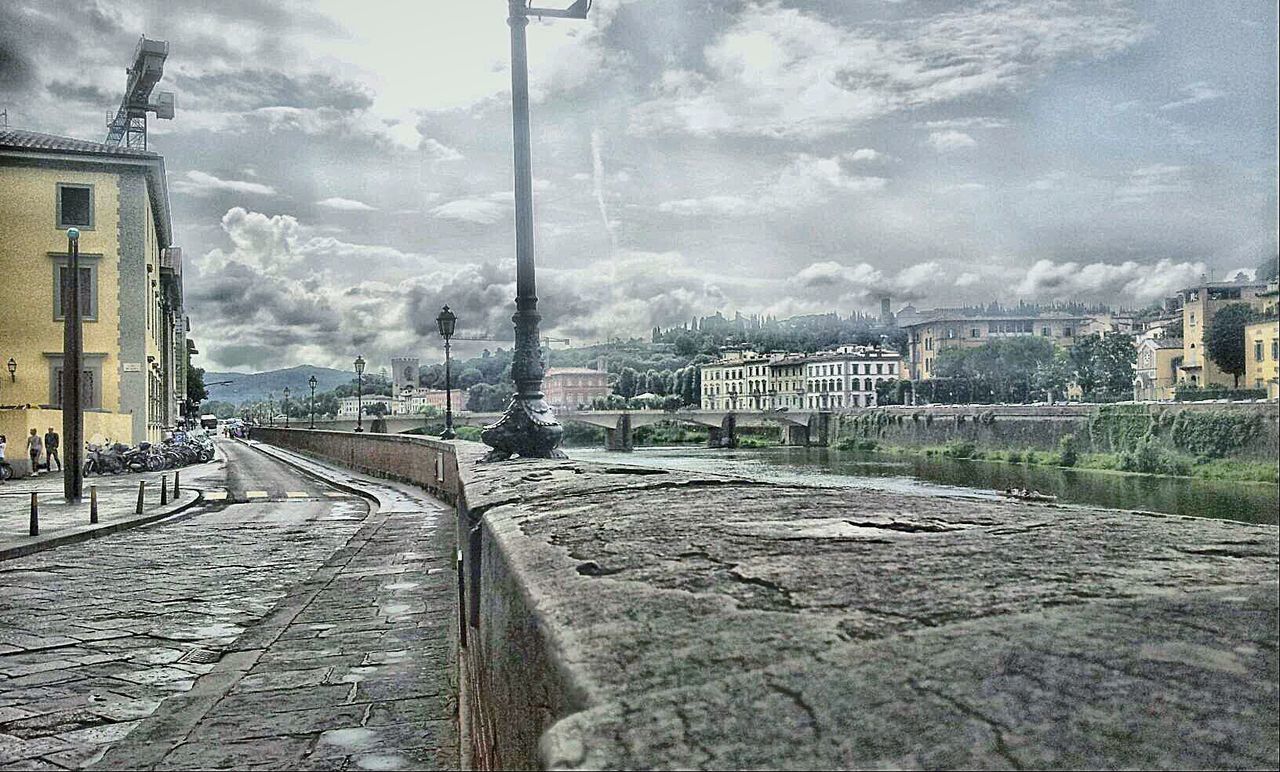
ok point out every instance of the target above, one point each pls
(286, 407)
(271, 409)
(528, 428)
(359, 363)
(13, 370)
(446, 321)
(312, 405)
(72, 366)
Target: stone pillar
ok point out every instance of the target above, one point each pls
(795, 434)
(620, 437)
(725, 435)
(819, 429)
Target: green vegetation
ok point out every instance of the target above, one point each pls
(669, 434)
(856, 443)
(1068, 451)
(1224, 339)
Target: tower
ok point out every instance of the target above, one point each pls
(404, 372)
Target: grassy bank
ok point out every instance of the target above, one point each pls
(1145, 459)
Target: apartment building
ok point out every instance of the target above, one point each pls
(131, 299)
(930, 333)
(844, 377)
(848, 376)
(1199, 305)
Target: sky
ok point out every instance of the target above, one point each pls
(339, 171)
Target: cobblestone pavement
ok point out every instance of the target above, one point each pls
(299, 644)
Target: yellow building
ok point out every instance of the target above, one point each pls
(1156, 370)
(738, 381)
(934, 332)
(131, 287)
(1199, 305)
(1262, 357)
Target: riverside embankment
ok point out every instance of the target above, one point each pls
(616, 617)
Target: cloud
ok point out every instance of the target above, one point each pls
(345, 205)
(786, 73)
(1194, 94)
(1126, 282)
(805, 182)
(1146, 182)
(480, 211)
(198, 183)
(946, 141)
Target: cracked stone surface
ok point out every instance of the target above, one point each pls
(715, 622)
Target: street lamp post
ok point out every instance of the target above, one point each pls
(359, 393)
(312, 405)
(271, 409)
(72, 367)
(13, 370)
(286, 407)
(446, 321)
(528, 428)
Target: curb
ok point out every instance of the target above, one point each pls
(284, 459)
(53, 542)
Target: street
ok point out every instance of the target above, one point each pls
(96, 636)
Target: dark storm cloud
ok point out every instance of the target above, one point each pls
(252, 88)
(80, 92)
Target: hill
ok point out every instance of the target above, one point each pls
(251, 387)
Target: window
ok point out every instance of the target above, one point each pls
(974, 332)
(1257, 351)
(1275, 349)
(88, 288)
(75, 206)
(1066, 332)
(1044, 332)
(90, 382)
(1193, 319)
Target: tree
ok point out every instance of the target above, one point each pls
(1224, 339)
(1102, 366)
(219, 408)
(1269, 269)
(196, 392)
(376, 409)
(628, 380)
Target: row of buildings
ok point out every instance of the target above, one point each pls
(1170, 347)
(136, 348)
(565, 388)
(846, 376)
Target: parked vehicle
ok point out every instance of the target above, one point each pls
(180, 449)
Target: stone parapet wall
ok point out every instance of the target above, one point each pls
(619, 617)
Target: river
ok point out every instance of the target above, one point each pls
(938, 476)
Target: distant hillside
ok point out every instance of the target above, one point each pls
(251, 387)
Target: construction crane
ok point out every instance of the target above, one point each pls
(129, 125)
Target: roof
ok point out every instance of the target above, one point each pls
(573, 371)
(39, 146)
(20, 139)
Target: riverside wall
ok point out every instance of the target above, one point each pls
(617, 617)
(1042, 427)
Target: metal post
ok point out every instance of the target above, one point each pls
(72, 365)
(175, 485)
(359, 365)
(93, 504)
(35, 513)
(312, 405)
(164, 489)
(528, 428)
(142, 492)
(448, 434)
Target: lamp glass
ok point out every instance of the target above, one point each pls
(359, 365)
(446, 320)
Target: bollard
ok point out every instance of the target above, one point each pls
(164, 489)
(142, 490)
(35, 514)
(175, 486)
(93, 504)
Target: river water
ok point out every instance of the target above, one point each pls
(937, 476)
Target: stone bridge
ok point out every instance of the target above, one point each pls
(799, 427)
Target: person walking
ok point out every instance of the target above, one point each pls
(35, 446)
(51, 443)
(5, 470)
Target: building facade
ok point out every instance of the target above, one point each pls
(1262, 357)
(1199, 305)
(738, 381)
(928, 336)
(1156, 369)
(572, 388)
(786, 382)
(131, 300)
(848, 376)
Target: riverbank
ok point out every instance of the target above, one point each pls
(1147, 460)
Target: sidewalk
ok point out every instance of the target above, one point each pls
(351, 671)
(63, 523)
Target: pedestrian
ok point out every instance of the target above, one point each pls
(51, 443)
(35, 446)
(4, 467)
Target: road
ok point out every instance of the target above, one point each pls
(94, 637)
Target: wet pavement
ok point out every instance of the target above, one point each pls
(300, 625)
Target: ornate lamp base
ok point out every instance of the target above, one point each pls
(528, 429)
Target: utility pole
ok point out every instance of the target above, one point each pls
(72, 364)
(528, 428)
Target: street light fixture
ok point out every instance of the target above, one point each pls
(359, 363)
(528, 428)
(271, 409)
(286, 407)
(13, 369)
(312, 407)
(447, 321)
